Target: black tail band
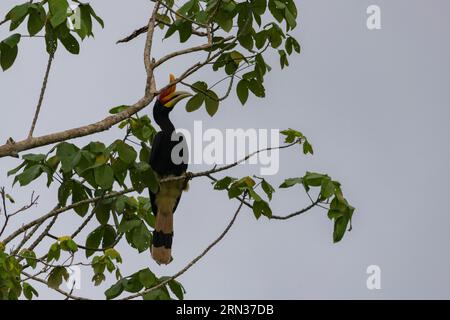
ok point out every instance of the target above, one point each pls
(161, 239)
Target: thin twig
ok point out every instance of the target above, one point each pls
(58, 211)
(41, 96)
(276, 217)
(194, 261)
(56, 289)
(43, 234)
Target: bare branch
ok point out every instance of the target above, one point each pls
(41, 96)
(189, 50)
(3, 195)
(43, 234)
(277, 217)
(191, 175)
(136, 33)
(57, 211)
(12, 148)
(194, 261)
(202, 25)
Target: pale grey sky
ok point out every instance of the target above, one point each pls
(374, 104)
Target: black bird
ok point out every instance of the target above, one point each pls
(168, 158)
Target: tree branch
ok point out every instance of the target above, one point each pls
(190, 50)
(194, 261)
(276, 217)
(41, 96)
(12, 148)
(57, 211)
(68, 295)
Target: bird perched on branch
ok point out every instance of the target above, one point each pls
(168, 158)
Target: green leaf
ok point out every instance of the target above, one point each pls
(12, 41)
(126, 153)
(177, 289)
(102, 212)
(29, 175)
(267, 188)
(30, 257)
(185, 8)
(118, 109)
(259, 6)
(109, 236)
(340, 226)
(279, 5)
(70, 43)
(113, 254)
(115, 290)
(235, 191)
(275, 11)
(260, 39)
(9, 50)
(212, 102)
(261, 208)
(313, 179)
(147, 278)
(242, 91)
(64, 192)
(85, 27)
(34, 157)
(292, 135)
(257, 88)
(104, 176)
(54, 252)
(56, 277)
(290, 19)
(291, 182)
(58, 10)
(223, 183)
(36, 20)
(79, 194)
(29, 291)
(246, 41)
(11, 199)
(296, 45)
(283, 59)
(17, 169)
(157, 294)
(67, 244)
(307, 147)
(68, 154)
(93, 241)
(200, 87)
(141, 237)
(17, 15)
(195, 102)
(96, 17)
(327, 188)
(185, 31)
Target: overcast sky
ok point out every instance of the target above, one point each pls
(374, 104)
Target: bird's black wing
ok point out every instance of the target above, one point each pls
(153, 161)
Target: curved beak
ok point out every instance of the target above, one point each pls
(175, 97)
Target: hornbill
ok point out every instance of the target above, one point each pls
(165, 161)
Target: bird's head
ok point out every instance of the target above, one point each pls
(169, 97)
